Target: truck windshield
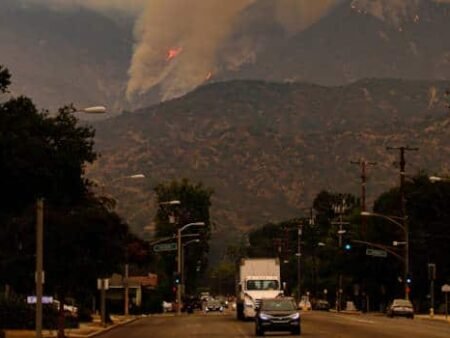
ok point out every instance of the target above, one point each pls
(262, 285)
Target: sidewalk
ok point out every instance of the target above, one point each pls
(86, 330)
(435, 317)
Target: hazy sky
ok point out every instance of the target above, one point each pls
(177, 41)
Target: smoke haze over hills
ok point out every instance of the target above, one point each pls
(216, 39)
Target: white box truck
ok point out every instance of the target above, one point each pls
(258, 278)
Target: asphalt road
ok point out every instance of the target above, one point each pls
(314, 324)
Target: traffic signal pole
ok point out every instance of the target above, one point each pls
(179, 270)
(402, 151)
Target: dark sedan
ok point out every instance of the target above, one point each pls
(213, 305)
(277, 314)
(321, 305)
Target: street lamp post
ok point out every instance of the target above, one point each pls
(404, 227)
(183, 285)
(340, 209)
(39, 274)
(126, 298)
(299, 252)
(179, 248)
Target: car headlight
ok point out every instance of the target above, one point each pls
(295, 316)
(263, 316)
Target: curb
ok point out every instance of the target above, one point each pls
(104, 330)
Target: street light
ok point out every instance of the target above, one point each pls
(173, 202)
(179, 248)
(434, 179)
(182, 261)
(91, 110)
(39, 275)
(395, 220)
(172, 219)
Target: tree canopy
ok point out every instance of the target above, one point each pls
(44, 155)
(195, 201)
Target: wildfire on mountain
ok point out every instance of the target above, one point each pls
(173, 53)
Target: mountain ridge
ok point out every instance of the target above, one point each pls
(268, 148)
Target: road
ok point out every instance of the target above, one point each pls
(314, 324)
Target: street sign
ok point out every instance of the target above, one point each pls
(376, 253)
(445, 288)
(45, 299)
(165, 247)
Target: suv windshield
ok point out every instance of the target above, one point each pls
(262, 285)
(278, 305)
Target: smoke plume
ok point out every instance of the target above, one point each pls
(198, 28)
(180, 44)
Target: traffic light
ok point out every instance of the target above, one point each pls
(176, 278)
(348, 246)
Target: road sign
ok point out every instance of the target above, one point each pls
(376, 253)
(445, 288)
(165, 247)
(45, 299)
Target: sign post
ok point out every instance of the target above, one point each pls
(446, 289)
(431, 277)
(103, 285)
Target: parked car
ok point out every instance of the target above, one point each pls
(213, 305)
(321, 305)
(400, 307)
(277, 314)
(167, 306)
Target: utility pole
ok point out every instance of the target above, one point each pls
(299, 262)
(402, 163)
(126, 288)
(340, 208)
(363, 165)
(39, 264)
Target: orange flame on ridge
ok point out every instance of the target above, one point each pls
(173, 53)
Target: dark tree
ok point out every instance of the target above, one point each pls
(195, 201)
(44, 155)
